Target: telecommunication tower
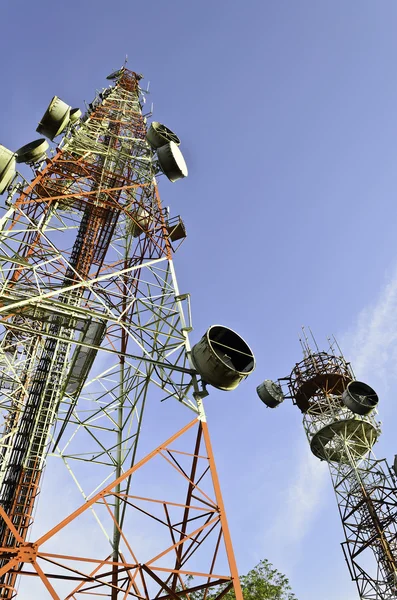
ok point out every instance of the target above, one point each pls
(93, 329)
(339, 419)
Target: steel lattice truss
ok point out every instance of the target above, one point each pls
(366, 494)
(92, 323)
(365, 488)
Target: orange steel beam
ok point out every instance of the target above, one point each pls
(112, 485)
(222, 512)
(95, 579)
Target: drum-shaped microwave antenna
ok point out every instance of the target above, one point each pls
(223, 358)
(158, 135)
(32, 152)
(140, 221)
(171, 161)
(270, 393)
(360, 398)
(55, 118)
(7, 167)
(75, 115)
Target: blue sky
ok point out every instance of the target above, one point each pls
(287, 115)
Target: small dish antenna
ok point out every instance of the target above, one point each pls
(116, 74)
(270, 393)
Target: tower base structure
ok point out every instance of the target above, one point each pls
(190, 547)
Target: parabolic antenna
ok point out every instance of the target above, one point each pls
(360, 398)
(32, 152)
(330, 442)
(270, 393)
(55, 118)
(223, 358)
(75, 115)
(171, 161)
(141, 221)
(115, 74)
(159, 134)
(7, 167)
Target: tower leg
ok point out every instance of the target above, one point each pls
(222, 514)
(193, 558)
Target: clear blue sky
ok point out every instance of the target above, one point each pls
(287, 114)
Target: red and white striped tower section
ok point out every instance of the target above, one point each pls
(339, 418)
(93, 330)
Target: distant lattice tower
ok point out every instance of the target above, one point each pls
(339, 418)
(93, 329)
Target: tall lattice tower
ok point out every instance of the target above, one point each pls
(93, 331)
(339, 419)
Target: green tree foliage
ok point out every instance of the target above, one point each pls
(263, 582)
